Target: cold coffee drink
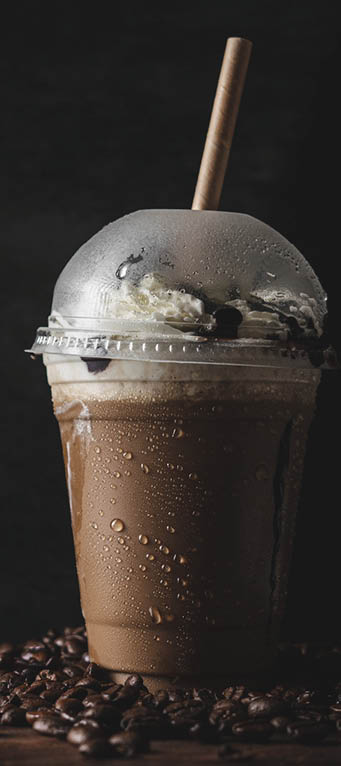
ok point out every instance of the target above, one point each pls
(183, 483)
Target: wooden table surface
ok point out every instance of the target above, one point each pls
(25, 747)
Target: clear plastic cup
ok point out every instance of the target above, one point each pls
(183, 482)
(184, 440)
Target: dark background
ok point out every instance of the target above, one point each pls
(105, 111)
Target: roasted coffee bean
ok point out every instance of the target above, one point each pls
(128, 744)
(235, 693)
(307, 731)
(144, 719)
(267, 707)
(83, 731)
(35, 689)
(72, 671)
(226, 710)
(161, 699)
(309, 715)
(235, 756)
(28, 675)
(14, 716)
(32, 715)
(205, 695)
(252, 731)
(51, 726)
(280, 722)
(75, 692)
(52, 675)
(69, 708)
(176, 695)
(93, 699)
(75, 645)
(186, 711)
(88, 683)
(134, 681)
(95, 671)
(97, 748)
(111, 692)
(105, 714)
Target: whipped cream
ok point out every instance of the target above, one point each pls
(152, 300)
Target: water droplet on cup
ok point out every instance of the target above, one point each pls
(143, 539)
(117, 525)
(193, 476)
(155, 614)
(94, 525)
(170, 529)
(117, 474)
(144, 468)
(164, 549)
(142, 567)
(177, 433)
(128, 455)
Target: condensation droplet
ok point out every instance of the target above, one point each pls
(94, 525)
(101, 513)
(164, 549)
(170, 529)
(120, 540)
(193, 476)
(113, 501)
(128, 455)
(117, 525)
(145, 468)
(98, 450)
(166, 568)
(142, 567)
(117, 474)
(170, 466)
(150, 556)
(155, 614)
(177, 433)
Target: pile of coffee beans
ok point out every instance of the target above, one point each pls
(51, 685)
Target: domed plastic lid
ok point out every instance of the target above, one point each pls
(183, 278)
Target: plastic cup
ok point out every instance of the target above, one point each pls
(183, 482)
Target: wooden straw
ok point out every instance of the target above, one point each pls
(222, 124)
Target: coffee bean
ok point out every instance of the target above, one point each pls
(226, 710)
(205, 695)
(75, 645)
(128, 744)
(97, 748)
(69, 708)
(307, 731)
(252, 731)
(267, 707)
(83, 731)
(280, 722)
(72, 671)
(32, 715)
(111, 692)
(51, 726)
(161, 699)
(134, 681)
(88, 683)
(235, 693)
(13, 716)
(95, 671)
(105, 714)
